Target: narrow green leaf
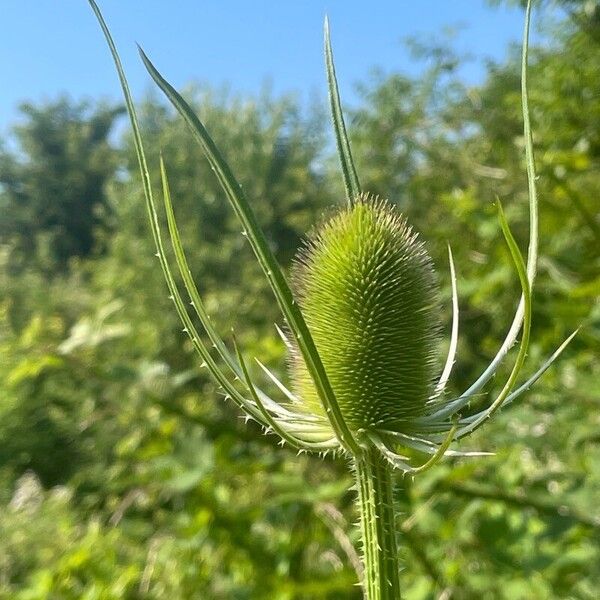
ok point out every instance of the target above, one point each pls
(520, 359)
(529, 157)
(192, 289)
(188, 280)
(156, 234)
(351, 182)
(547, 364)
(454, 334)
(527, 385)
(441, 451)
(266, 259)
(532, 254)
(515, 253)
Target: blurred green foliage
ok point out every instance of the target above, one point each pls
(54, 197)
(124, 474)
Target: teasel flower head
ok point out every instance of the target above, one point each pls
(361, 315)
(366, 286)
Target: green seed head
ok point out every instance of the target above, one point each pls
(367, 290)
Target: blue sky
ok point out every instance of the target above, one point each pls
(52, 46)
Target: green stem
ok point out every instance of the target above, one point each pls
(377, 520)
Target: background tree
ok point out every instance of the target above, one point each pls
(53, 195)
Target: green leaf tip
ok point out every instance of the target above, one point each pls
(349, 174)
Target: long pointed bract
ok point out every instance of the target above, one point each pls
(527, 385)
(508, 386)
(397, 461)
(273, 424)
(188, 280)
(192, 290)
(155, 227)
(532, 254)
(265, 257)
(351, 182)
(454, 335)
(285, 391)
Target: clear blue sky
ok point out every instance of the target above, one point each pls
(53, 46)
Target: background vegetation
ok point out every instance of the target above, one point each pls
(123, 474)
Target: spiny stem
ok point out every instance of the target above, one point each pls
(377, 520)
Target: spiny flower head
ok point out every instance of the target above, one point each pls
(368, 292)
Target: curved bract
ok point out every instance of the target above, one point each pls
(366, 286)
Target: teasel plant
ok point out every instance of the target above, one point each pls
(362, 329)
